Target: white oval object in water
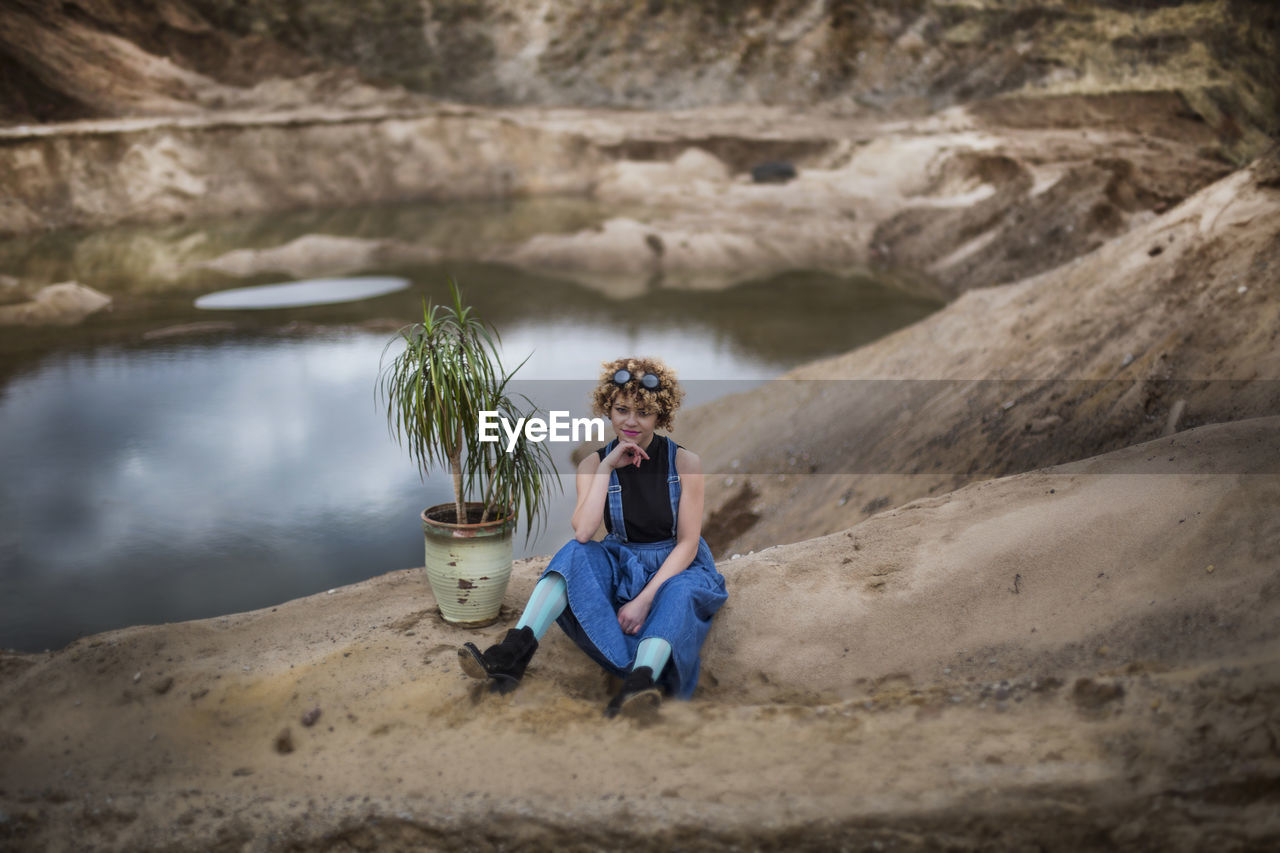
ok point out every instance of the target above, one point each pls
(296, 294)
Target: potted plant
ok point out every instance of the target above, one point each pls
(435, 388)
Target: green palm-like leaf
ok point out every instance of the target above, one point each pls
(446, 373)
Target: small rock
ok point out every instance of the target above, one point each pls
(1127, 360)
(1093, 695)
(162, 686)
(1209, 568)
(242, 771)
(310, 717)
(776, 172)
(284, 742)
(137, 676)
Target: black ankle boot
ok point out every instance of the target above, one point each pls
(639, 695)
(503, 664)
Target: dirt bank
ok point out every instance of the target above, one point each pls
(954, 201)
(107, 59)
(100, 173)
(971, 144)
(1169, 326)
(1077, 657)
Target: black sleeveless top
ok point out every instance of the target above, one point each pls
(646, 499)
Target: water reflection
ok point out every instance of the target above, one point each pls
(181, 482)
(300, 294)
(160, 467)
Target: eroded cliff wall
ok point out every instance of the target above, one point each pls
(104, 58)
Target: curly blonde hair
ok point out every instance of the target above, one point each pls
(664, 400)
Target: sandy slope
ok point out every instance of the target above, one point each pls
(1090, 356)
(1073, 657)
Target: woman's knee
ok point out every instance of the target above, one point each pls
(575, 556)
(575, 550)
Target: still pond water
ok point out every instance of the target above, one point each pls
(163, 463)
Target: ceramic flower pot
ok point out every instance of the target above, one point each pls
(468, 565)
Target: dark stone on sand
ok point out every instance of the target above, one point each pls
(774, 172)
(284, 742)
(1090, 695)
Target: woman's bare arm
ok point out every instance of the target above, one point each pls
(593, 486)
(592, 482)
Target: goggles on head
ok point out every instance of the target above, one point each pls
(649, 380)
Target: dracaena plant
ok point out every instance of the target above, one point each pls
(447, 372)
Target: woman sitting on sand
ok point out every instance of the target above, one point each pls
(640, 601)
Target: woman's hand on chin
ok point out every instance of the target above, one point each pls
(626, 453)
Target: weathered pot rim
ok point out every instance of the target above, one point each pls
(479, 527)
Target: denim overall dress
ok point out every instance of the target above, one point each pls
(603, 576)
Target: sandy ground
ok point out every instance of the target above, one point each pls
(1077, 657)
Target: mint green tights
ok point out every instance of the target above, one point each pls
(549, 599)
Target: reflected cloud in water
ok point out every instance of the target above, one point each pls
(298, 294)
